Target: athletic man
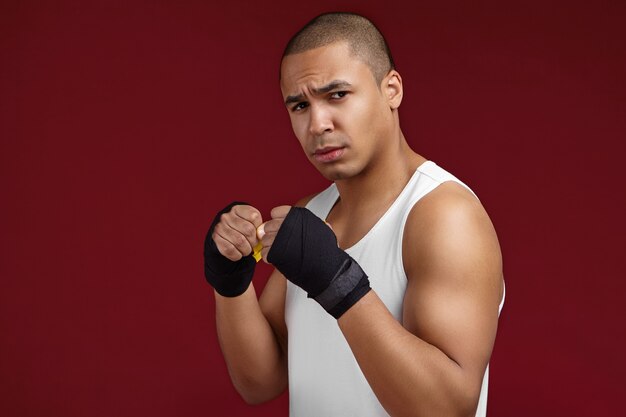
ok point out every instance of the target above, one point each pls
(391, 306)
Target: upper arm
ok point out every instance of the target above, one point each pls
(454, 269)
(272, 299)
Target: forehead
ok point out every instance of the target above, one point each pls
(319, 66)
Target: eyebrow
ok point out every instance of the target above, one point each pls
(333, 85)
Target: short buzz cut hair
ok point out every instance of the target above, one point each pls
(365, 40)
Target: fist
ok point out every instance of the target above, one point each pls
(268, 230)
(235, 235)
(304, 249)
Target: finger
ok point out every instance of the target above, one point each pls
(260, 231)
(268, 240)
(226, 248)
(248, 213)
(242, 226)
(264, 253)
(280, 212)
(272, 226)
(236, 238)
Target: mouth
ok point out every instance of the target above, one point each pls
(328, 153)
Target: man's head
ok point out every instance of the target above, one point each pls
(344, 116)
(364, 39)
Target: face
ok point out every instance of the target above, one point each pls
(338, 112)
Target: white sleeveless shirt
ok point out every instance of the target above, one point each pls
(324, 377)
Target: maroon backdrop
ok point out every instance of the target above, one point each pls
(125, 126)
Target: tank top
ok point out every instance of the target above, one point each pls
(324, 376)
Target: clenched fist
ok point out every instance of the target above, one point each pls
(268, 230)
(304, 249)
(228, 262)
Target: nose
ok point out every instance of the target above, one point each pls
(320, 122)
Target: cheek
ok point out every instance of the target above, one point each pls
(366, 120)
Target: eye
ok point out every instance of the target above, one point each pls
(300, 106)
(338, 94)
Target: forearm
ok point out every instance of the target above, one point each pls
(409, 376)
(255, 360)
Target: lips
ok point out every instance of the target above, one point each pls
(328, 154)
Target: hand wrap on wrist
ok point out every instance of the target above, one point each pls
(229, 278)
(305, 251)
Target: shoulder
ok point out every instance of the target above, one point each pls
(446, 213)
(449, 229)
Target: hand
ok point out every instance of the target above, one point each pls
(268, 230)
(304, 249)
(228, 263)
(235, 233)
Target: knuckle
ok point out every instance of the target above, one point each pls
(240, 241)
(241, 210)
(280, 211)
(231, 253)
(249, 230)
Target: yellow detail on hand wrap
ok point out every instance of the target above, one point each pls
(256, 252)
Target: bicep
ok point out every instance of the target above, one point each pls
(453, 265)
(458, 321)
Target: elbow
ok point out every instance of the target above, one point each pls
(258, 392)
(467, 411)
(467, 402)
(460, 402)
(256, 397)
(455, 408)
(252, 398)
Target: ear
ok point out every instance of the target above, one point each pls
(391, 87)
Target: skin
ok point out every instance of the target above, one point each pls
(433, 363)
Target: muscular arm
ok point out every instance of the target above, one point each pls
(434, 363)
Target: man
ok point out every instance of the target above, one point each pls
(391, 308)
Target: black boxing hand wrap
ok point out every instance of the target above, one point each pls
(229, 278)
(305, 251)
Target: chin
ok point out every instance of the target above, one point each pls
(336, 172)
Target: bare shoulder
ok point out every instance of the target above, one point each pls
(450, 222)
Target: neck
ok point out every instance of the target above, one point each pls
(382, 180)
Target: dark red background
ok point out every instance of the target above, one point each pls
(125, 126)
